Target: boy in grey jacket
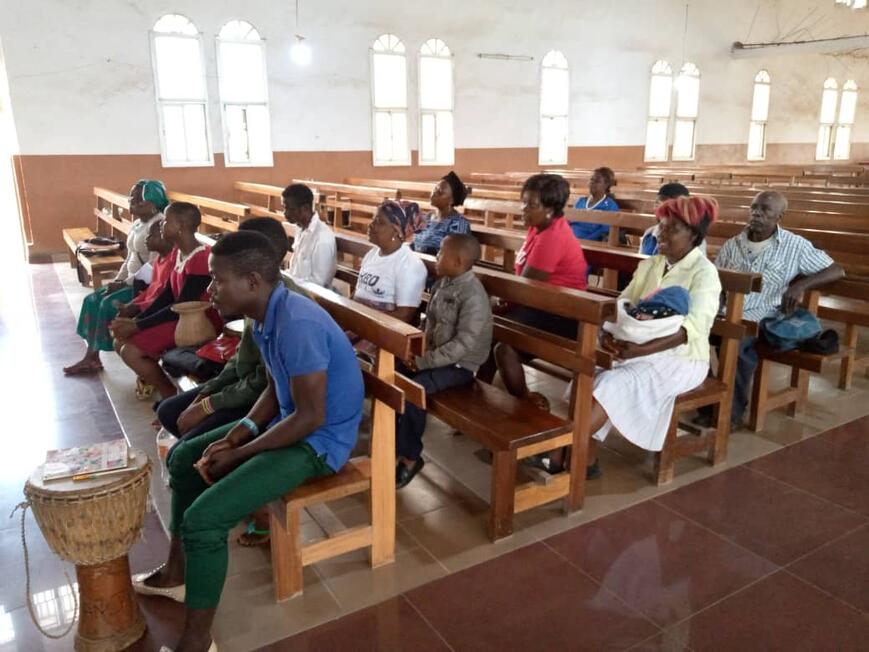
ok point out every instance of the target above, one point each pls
(458, 334)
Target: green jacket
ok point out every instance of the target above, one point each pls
(243, 378)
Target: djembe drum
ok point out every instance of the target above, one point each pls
(93, 524)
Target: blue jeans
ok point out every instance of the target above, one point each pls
(746, 363)
(410, 426)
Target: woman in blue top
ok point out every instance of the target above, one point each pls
(599, 199)
(444, 220)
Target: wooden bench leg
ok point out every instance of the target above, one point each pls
(665, 460)
(846, 372)
(286, 547)
(718, 452)
(759, 395)
(800, 382)
(503, 494)
(382, 494)
(73, 259)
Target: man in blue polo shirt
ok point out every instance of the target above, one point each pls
(304, 425)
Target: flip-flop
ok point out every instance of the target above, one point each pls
(251, 530)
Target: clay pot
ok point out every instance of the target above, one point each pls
(194, 327)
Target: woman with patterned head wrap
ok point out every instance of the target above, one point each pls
(637, 395)
(148, 198)
(444, 220)
(392, 277)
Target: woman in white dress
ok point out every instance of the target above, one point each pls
(637, 395)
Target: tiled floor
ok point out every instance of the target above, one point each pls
(764, 552)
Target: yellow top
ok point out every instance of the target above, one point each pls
(696, 274)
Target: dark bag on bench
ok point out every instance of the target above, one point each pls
(99, 246)
(183, 361)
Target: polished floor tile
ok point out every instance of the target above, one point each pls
(531, 599)
(759, 513)
(658, 562)
(841, 568)
(831, 467)
(391, 625)
(780, 612)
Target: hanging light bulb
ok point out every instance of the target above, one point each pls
(301, 53)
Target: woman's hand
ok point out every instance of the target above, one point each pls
(192, 416)
(628, 350)
(115, 286)
(123, 328)
(128, 310)
(609, 344)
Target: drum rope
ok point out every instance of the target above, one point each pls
(23, 507)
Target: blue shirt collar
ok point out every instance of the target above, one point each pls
(267, 326)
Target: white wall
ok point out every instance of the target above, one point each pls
(81, 82)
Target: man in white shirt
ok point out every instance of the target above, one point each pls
(314, 250)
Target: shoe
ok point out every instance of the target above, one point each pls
(211, 648)
(404, 475)
(539, 400)
(703, 420)
(592, 471)
(175, 593)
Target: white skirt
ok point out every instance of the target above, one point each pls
(638, 395)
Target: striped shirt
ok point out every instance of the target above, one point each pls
(428, 239)
(789, 256)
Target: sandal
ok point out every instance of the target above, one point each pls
(246, 538)
(144, 391)
(539, 400)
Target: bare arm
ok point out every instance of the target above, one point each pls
(795, 293)
(535, 274)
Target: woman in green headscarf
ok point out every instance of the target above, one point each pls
(148, 198)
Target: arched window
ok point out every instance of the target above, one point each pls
(829, 102)
(436, 140)
(847, 111)
(687, 101)
(244, 96)
(554, 109)
(660, 103)
(182, 98)
(759, 116)
(389, 101)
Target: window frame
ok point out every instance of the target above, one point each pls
(688, 70)
(160, 103)
(762, 78)
(553, 54)
(422, 111)
(842, 126)
(375, 110)
(666, 71)
(261, 44)
(827, 130)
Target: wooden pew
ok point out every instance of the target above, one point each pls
(511, 428)
(373, 474)
(217, 215)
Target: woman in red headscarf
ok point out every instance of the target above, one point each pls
(637, 395)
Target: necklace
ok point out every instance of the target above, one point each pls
(589, 206)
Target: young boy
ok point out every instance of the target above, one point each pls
(304, 425)
(458, 334)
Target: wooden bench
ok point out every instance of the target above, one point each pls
(98, 268)
(373, 474)
(510, 427)
(217, 215)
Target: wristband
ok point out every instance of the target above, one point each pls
(206, 405)
(250, 425)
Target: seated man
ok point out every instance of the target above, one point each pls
(780, 257)
(314, 249)
(304, 425)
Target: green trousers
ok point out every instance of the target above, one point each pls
(203, 516)
(98, 310)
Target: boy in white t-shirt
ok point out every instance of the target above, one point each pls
(392, 277)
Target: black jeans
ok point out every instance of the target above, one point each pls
(171, 408)
(410, 426)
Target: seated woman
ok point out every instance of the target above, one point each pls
(637, 395)
(141, 341)
(147, 201)
(391, 277)
(599, 199)
(445, 219)
(649, 241)
(551, 254)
